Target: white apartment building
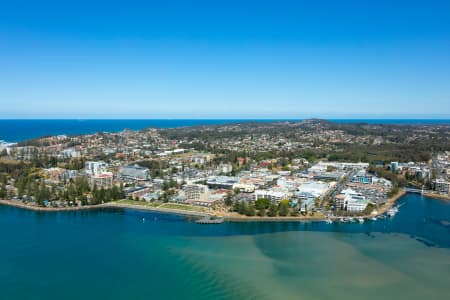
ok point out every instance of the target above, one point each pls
(274, 196)
(441, 186)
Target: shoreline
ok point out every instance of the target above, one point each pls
(391, 201)
(157, 209)
(437, 196)
(229, 218)
(47, 209)
(104, 205)
(240, 218)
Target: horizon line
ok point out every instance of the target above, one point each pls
(425, 117)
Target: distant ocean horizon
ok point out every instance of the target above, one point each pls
(16, 130)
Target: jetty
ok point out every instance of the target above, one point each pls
(210, 220)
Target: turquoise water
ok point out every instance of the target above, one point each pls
(19, 130)
(126, 254)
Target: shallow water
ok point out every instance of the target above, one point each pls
(126, 254)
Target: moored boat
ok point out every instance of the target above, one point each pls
(392, 211)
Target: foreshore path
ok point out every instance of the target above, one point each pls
(232, 217)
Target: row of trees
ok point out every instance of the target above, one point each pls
(264, 207)
(74, 190)
(105, 195)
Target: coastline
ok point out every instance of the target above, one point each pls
(229, 217)
(240, 218)
(437, 196)
(391, 201)
(157, 209)
(104, 205)
(48, 209)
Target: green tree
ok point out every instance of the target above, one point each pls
(251, 211)
(3, 191)
(283, 208)
(236, 206)
(261, 212)
(243, 208)
(273, 210)
(262, 203)
(228, 200)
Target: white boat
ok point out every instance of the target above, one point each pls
(374, 218)
(351, 219)
(392, 211)
(360, 220)
(329, 221)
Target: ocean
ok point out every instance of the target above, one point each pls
(19, 130)
(128, 254)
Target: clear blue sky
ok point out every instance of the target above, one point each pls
(224, 59)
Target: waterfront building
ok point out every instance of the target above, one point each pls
(137, 191)
(151, 196)
(274, 196)
(195, 191)
(442, 186)
(134, 172)
(207, 201)
(316, 188)
(351, 201)
(307, 201)
(104, 180)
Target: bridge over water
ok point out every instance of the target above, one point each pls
(417, 190)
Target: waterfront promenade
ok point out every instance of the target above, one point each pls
(189, 211)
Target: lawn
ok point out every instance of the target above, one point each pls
(140, 203)
(184, 207)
